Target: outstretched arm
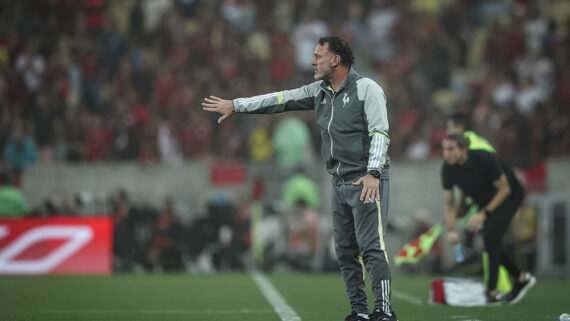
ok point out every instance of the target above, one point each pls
(219, 105)
(302, 98)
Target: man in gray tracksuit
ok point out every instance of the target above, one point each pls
(351, 113)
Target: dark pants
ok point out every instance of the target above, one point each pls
(496, 226)
(358, 235)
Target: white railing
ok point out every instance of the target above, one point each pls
(553, 239)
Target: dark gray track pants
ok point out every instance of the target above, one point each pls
(358, 232)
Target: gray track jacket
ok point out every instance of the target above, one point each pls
(353, 122)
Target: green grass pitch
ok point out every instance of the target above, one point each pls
(235, 297)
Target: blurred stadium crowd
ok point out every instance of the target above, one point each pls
(102, 80)
(96, 80)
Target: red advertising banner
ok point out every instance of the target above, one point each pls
(58, 245)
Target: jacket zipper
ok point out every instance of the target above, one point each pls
(329, 130)
(330, 121)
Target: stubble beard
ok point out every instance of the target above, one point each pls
(325, 76)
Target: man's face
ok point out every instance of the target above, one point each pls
(324, 62)
(452, 153)
(452, 127)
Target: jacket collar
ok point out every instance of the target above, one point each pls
(352, 74)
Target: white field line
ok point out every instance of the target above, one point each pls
(285, 312)
(144, 311)
(406, 297)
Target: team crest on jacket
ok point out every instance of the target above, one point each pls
(324, 101)
(345, 99)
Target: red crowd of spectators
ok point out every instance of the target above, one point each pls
(95, 80)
